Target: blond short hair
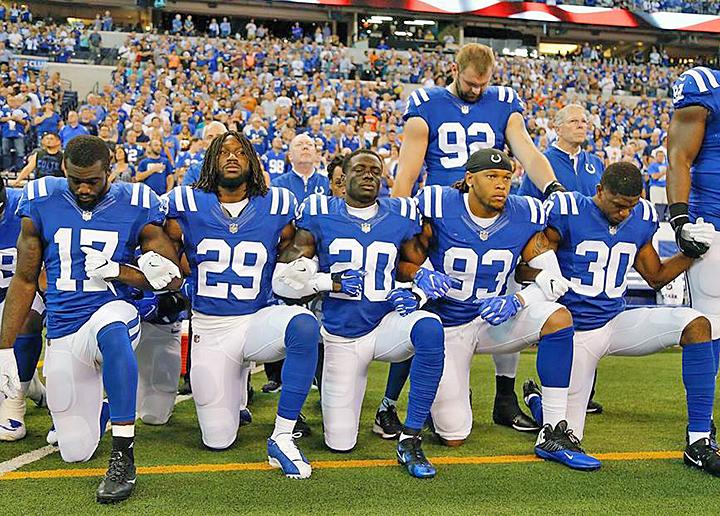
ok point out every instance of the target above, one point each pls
(480, 57)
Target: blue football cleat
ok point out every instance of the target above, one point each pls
(284, 454)
(560, 445)
(411, 455)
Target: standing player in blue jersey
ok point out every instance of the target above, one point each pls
(366, 316)
(85, 230)
(232, 227)
(597, 240)
(443, 126)
(693, 185)
(17, 365)
(476, 232)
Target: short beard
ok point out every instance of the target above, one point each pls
(234, 183)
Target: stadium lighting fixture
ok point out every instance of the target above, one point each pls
(402, 33)
(382, 18)
(419, 22)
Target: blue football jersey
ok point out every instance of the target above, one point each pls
(113, 226)
(343, 241)
(595, 256)
(481, 258)
(9, 232)
(458, 128)
(700, 86)
(232, 259)
(274, 163)
(135, 153)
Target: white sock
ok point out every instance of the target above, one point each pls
(554, 404)
(694, 437)
(25, 386)
(404, 436)
(123, 430)
(283, 426)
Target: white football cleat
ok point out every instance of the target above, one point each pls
(284, 454)
(52, 438)
(12, 419)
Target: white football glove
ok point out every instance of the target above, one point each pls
(298, 273)
(699, 231)
(552, 285)
(99, 266)
(9, 379)
(158, 270)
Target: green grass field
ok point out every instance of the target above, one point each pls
(644, 411)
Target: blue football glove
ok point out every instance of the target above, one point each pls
(497, 310)
(147, 306)
(350, 281)
(435, 284)
(403, 300)
(187, 288)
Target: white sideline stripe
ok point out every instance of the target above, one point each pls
(40, 453)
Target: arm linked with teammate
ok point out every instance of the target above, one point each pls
(412, 156)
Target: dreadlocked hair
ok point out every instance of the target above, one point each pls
(461, 185)
(210, 174)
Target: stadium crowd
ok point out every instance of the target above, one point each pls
(169, 87)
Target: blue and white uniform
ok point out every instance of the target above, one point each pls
(79, 309)
(458, 128)
(482, 254)
(700, 86)
(596, 257)
(236, 318)
(579, 172)
(357, 330)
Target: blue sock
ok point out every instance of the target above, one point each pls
(554, 358)
(397, 376)
(119, 370)
(27, 350)
(716, 354)
(428, 338)
(535, 404)
(301, 337)
(698, 373)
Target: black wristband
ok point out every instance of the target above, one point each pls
(679, 214)
(552, 187)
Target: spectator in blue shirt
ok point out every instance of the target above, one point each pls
(155, 170)
(47, 121)
(107, 22)
(71, 129)
(297, 32)
(13, 124)
(209, 132)
(302, 179)
(576, 169)
(225, 28)
(177, 24)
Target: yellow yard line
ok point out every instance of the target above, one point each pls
(326, 464)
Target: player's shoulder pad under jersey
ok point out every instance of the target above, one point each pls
(646, 210)
(181, 199)
(405, 207)
(562, 203)
(282, 201)
(430, 201)
(44, 188)
(524, 208)
(420, 100)
(141, 196)
(696, 86)
(315, 205)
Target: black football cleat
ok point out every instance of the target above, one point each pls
(119, 480)
(387, 423)
(302, 429)
(271, 387)
(185, 388)
(560, 445)
(593, 407)
(702, 454)
(506, 412)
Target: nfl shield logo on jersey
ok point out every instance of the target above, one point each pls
(233, 228)
(86, 215)
(484, 235)
(365, 227)
(612, 229)
(465, 109)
